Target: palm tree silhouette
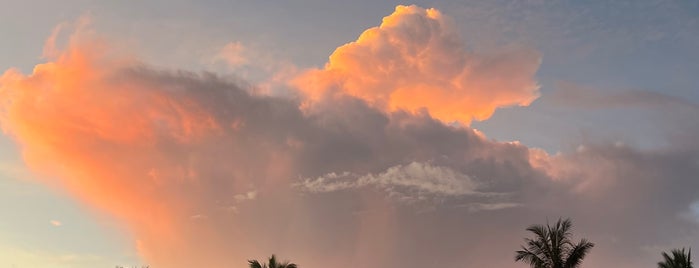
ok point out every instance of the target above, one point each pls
(272, 263)
(552, 247)
(679, 259)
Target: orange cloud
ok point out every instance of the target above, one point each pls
(202, 171)
(189, 162)
(85, 123)
(416, 60)
(185, 159)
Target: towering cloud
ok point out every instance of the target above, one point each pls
(207, 173)
(187, 159)
(416, 60)
(113, 138)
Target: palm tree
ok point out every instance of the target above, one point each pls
(272, 263)
(679, 259)
(552, 247)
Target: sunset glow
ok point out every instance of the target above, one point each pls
(173, 136)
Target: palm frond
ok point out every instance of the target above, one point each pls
(679, 259)
(577, 253)
(272, 262)
(551, 246)
(255, 264)
(531, 258)
(542, 241)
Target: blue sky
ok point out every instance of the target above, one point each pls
(635, 61)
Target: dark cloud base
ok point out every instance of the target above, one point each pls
(632, 203)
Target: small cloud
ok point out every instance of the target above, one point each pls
(477, 207)
(231, 209)
(56, 223)
(693, 213)
(251, 195)
(198, 217)
(233, 54)
(414, 182)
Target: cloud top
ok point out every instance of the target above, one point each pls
(415, 60)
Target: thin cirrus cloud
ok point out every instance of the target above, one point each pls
(205, 172)
(415, 60)
(672, 118)
(575, 95)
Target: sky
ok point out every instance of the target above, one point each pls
(360, 133)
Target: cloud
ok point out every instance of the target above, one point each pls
(55, 223)
(206, 172)
(475, 207)
(172, 154)
(416, 60)
(233, 54)
(413, 182)
(251, 195)
(571, 94)
(658, 186)
(666, 118)
(110, 132)
(267, 71)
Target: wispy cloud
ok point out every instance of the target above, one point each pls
(476, 207)
(576, 95)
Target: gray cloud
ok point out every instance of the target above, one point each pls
(480, 194)
(414, 182)
(663, 118)
(576, 95)
(206, 173)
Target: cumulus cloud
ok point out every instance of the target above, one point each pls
(416, 60)
(205, 172)
(173, 154)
